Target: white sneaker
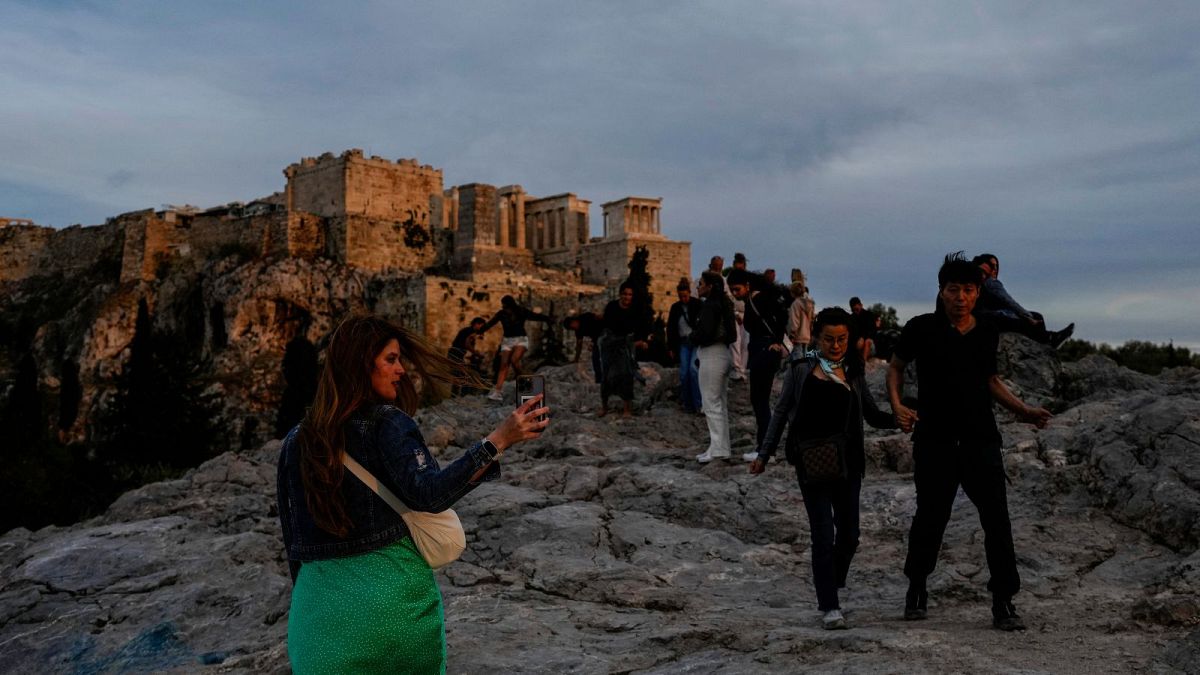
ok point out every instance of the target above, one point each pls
(750, 456)
(495, 396)
(834, 620)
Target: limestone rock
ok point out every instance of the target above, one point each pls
(605, 547)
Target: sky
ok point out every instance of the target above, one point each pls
(859, 141)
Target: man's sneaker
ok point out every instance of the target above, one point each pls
(834, 620)
(495, 396)
(1059, 337)
(915, 602)
(750, 456)
(706, 457)
(1004, 617)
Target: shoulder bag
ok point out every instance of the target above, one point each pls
(438, 536)
(823, 460)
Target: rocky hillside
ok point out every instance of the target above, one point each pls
(607, 548)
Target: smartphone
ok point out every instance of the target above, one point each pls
(528, 387)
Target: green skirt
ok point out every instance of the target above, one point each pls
(379, 612)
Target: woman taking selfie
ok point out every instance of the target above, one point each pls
(825, 395)
(364, 599)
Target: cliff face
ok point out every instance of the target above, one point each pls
(606, 547)
(106, 383)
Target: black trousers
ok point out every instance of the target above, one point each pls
(764, 365)
(1014, 324)
(833, 522)
(940, 468)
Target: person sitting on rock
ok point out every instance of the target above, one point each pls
(825, 394)
(955, 438)
(515, 343)
(1009, 316)
(364, 599)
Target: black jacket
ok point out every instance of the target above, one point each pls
(694, 307)
(787, 412)
(716, 323)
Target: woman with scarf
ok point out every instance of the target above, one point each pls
(825, 393)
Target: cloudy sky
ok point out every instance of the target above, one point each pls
(859, 141)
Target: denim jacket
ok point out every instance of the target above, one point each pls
(387, 443)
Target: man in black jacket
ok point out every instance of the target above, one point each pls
(681, 321)
(765, 320)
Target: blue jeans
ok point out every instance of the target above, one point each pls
(689, 378)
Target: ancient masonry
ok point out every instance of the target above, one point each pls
(464, 247)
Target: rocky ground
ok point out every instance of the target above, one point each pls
(607, 548)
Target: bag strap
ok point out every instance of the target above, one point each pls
(761, 316)
(378, 488)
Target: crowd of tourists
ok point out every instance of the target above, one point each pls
(362, 549)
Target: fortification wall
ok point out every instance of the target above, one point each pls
(607, 262)
(22, 250)
(378, 245)
(149, 241)
(399, 191)
(208, 236)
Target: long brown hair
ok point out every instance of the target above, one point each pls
(344, 386)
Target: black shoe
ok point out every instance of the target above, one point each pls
(1059, 337)
(1004, 617)
(914, 604)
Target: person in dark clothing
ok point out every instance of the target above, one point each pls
(625, 331)
(1006, 313)
(764, 318)
(681, 321)
(515, 343)
(825, 394)
(863, 329)
(956, 441)
(587, 325)
(462, 350)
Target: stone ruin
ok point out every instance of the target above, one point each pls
(381, 216)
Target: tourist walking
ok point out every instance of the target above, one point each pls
(625, 331)
(765, 322)
(515, 343)
(715, 330)
(825, 395)
(738, 349)
(681, 321)
(956, 441)
(364, 600)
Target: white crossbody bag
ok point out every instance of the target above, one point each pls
(438, 536)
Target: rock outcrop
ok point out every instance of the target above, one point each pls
(606, 548)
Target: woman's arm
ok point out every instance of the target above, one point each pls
(425, 487)
(782, 413)
(871, 412)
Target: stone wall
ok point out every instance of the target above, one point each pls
(607, 262)
(22, 250)
(375, 244)
(31, 250)
(150, 242)
(372, 187)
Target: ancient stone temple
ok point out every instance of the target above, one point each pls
(461, 248)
